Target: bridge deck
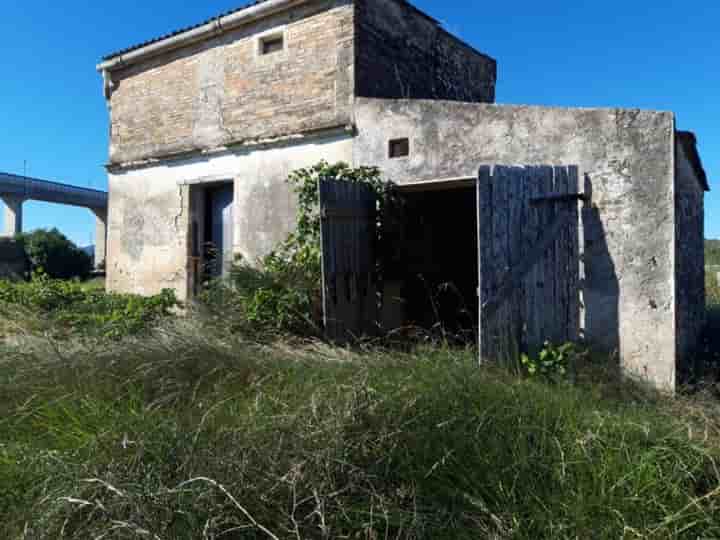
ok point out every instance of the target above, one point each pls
(23, 187)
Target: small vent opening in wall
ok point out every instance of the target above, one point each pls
(399, 148)
(271, 44)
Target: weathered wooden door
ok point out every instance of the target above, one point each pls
(529, 258)
(348, 221)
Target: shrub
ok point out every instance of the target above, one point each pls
(273, 297)
(53, 253)
(78, 309)
(284, 291)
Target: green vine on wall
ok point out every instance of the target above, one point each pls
(285, 292)
(303, 245)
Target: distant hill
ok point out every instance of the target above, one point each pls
(712, 252)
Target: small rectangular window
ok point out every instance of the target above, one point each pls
(399, 148)
(271, 44)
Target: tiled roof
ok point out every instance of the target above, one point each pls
(182, 30)
(231, 12)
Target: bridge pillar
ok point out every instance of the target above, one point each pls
(13, 215)
(100, 237)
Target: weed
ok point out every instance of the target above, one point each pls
(74, 308)
(553, 363)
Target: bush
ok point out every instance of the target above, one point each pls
(283, 293)
(275, 297)
(75, 309)
(54, 254)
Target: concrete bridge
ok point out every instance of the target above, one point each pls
(15, 190)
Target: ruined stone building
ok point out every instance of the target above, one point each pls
(207, 122)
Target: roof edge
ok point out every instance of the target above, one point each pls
(228, 21)
(188, 36)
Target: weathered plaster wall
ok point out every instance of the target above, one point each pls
(402, 53)
(690, 255)
(223, 91)
(148, 236)
(627, 159)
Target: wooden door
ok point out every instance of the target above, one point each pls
(348, 231)
(529, 259)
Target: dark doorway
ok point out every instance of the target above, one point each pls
(432, 273)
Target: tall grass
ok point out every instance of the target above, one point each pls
(712, 286)
(193, 433)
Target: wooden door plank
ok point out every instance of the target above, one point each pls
(348, 213)
(528, 252)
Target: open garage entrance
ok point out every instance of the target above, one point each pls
(494, 259)
(431, 275)
(426, 254)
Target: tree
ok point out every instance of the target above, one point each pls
(53, 253)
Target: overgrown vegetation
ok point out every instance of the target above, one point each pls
(553, 363)
(71, 308)
(710, 353)
(51, 252)
(196, 434)
(712, 252)
(202, 427)
(283, 292)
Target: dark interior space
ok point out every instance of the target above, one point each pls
(434, 260)
(209, 251)
(218, 223)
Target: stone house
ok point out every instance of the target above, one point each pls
(207, 122)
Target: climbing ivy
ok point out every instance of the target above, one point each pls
(303, 244)
(284, 292)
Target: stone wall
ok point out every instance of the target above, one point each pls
(626, 160)
(13, 260)
(403, 53)
(223, 91)
(219, 110)
(690, 253)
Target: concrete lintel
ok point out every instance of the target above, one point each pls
(458, 182)
(289, 139)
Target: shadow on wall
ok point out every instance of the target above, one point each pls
(601, 288)
(530, 263)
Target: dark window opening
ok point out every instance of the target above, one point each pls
(399, 148)
(271, 44)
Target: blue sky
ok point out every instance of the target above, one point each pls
(655, 54)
